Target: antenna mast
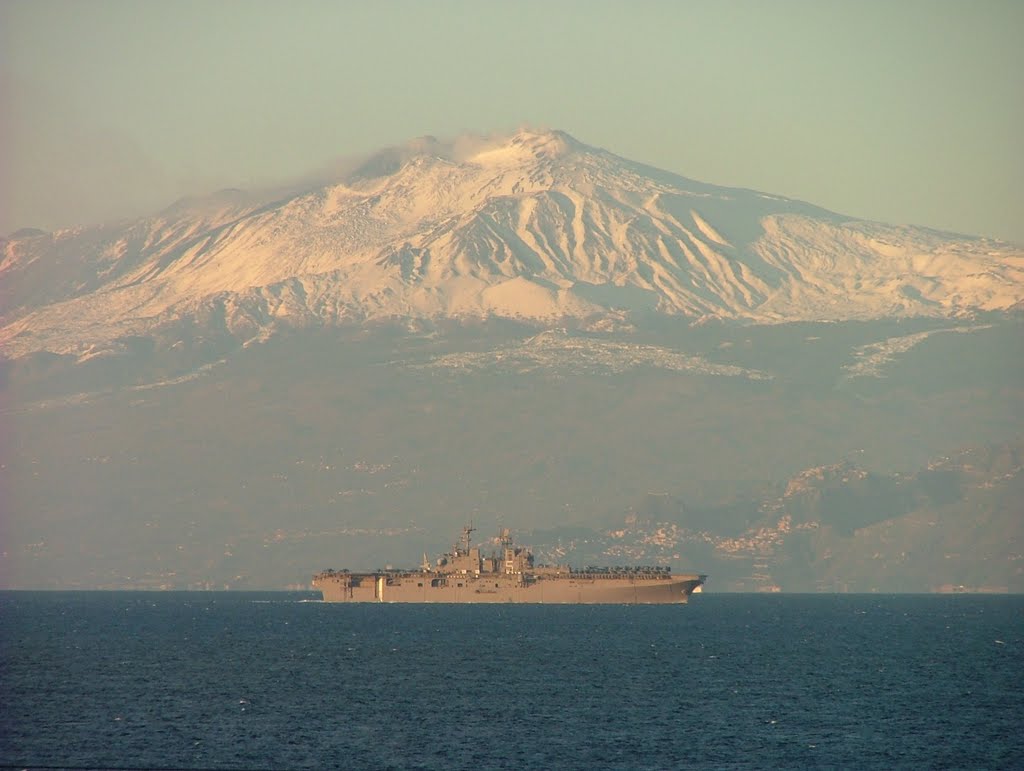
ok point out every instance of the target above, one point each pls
(466, 535)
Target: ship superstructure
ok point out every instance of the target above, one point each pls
(466, 575)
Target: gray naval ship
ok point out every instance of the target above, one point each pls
(465, 575)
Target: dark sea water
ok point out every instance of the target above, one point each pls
(249, 681)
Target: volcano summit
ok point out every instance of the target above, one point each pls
(534, 226)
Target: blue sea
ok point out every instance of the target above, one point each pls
(254, 681)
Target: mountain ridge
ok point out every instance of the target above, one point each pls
(836, 527)
(535, 226)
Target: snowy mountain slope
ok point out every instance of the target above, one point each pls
(535, 226)
(553, 350)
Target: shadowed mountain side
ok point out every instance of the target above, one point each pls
(314, 450)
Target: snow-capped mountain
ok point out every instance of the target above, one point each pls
(533, 226)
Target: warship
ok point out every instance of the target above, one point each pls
(465, 575)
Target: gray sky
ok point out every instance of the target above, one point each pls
(907, 112)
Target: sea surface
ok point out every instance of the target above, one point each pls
(254, 681)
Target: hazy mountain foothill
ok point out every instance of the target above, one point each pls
(622, 365)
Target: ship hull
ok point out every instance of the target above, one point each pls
(559, 591)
